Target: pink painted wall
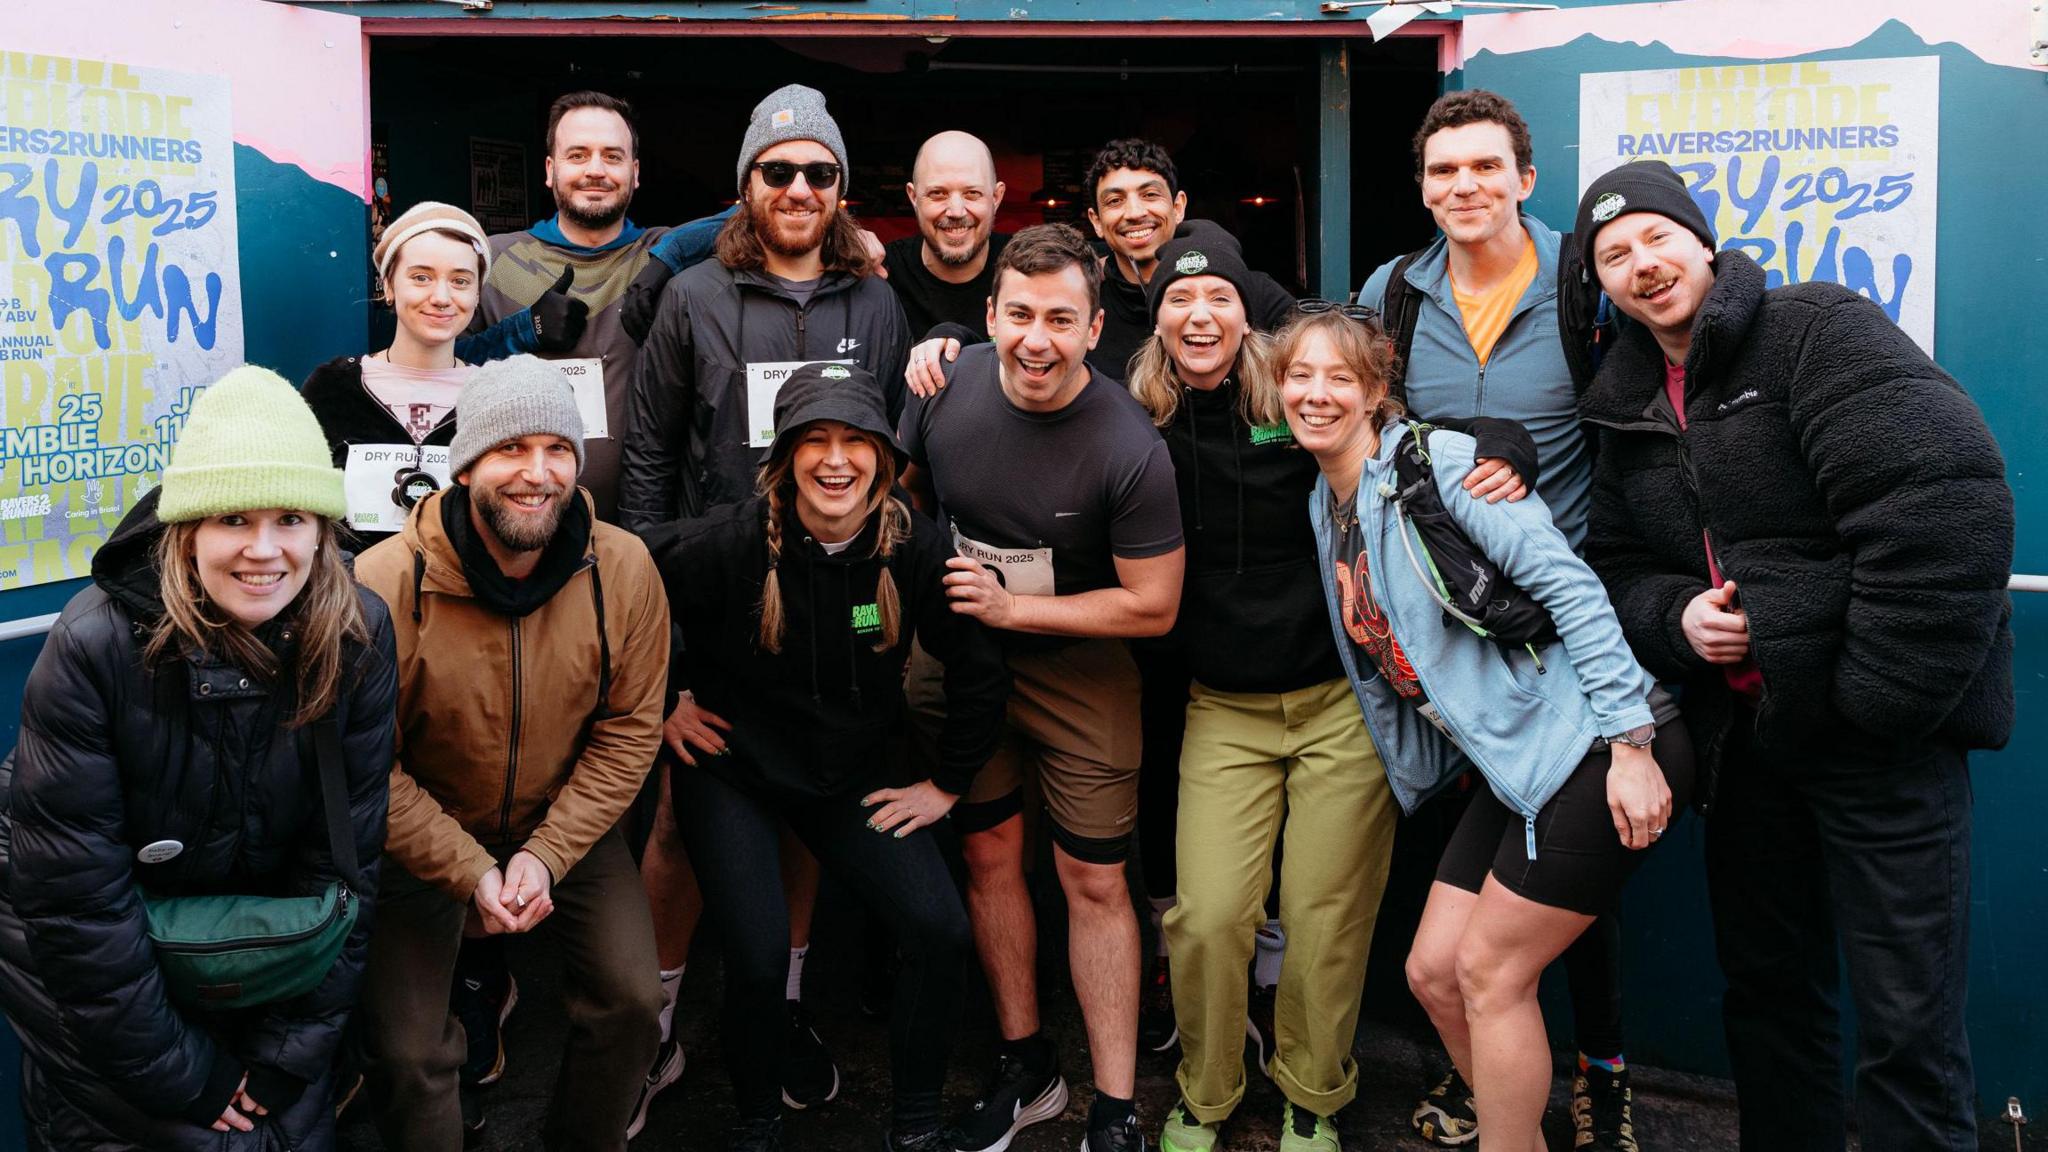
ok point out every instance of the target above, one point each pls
(298, 77)
(1994, 30)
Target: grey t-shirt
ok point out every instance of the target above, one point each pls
(799, 290)
(1048, 500)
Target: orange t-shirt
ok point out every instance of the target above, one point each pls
(1486, 313)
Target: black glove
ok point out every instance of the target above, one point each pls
(559, 318)
(643, 300)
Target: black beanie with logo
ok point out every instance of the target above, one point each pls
(1642, 186)
(1201, 251)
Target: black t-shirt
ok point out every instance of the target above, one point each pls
(928, 300)
(1047, 499)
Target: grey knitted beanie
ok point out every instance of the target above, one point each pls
(792, 112)
(506, 399)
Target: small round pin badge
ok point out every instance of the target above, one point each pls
(159, 851)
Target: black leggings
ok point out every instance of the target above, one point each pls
(733, 840)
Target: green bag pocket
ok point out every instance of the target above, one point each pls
(227, 952)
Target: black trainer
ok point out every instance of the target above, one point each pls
(936, 1140)
(764, 1135)
(1119, 1135)
(472, 1106)
(1158, 1029)
(1014, 1099)
(668, 1068)
(809, 1077)
(482, 1002)
(1601, 1117)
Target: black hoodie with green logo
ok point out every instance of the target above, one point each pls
(816, 719)
(1251, 607)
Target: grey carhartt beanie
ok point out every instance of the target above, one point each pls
(792, 112)
(506, 399)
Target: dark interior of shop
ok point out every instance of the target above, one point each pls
(461, 120)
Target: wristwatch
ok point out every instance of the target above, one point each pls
(1641, 736)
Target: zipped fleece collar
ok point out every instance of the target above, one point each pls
(1632, 376)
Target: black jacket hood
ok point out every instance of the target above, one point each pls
(125, 566)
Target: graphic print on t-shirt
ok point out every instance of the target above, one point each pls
(1368, 627)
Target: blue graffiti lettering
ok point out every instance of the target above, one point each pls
(25, 211)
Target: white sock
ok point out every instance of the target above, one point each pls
(1161, 905)
(671, 983)
(1272, 947)
(794, 988)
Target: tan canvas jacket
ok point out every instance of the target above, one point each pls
(502, 741)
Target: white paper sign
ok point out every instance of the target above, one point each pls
(1821, 170)
(370, 480)
(764, 381)
(1388, 20)
(1024, 571)
(586, 376)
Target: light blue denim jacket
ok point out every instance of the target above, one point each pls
(1523, 729)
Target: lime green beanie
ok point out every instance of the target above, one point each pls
(250, 442)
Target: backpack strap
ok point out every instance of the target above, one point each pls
(1400, 311)
(1585, 324)
(341, 841)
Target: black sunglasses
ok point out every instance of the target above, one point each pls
(781, 173)
(1357, 312)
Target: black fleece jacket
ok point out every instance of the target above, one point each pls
(1850, 489)
(816, 718)
(348, 414)
(1251, 609)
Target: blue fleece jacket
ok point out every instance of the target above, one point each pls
(1525, 379)
(1524, 729)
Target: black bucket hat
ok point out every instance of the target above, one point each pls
(846, 393)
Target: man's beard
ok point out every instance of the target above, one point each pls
(782, 239)
(520, 531)
(595, 221)
(950, 257)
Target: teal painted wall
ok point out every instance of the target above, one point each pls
(1990, 281)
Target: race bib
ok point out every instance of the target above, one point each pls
(586, 376)
(1024, 571)
(764, 381)
(383, 481)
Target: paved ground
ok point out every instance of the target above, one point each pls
(1675, 1112)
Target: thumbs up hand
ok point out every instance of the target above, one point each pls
(559, 318)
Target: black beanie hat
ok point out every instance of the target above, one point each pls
(1204, 250)
(847, 393)
(1644, 186)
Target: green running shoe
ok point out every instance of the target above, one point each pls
(1183, 1133)
(1303, 1131)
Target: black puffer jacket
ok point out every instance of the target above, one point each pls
(113, 757)
(1851, 491)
